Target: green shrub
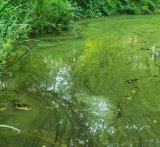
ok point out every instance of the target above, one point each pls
(52, 14)
(94, 8)
(89, 8)
(49, 15)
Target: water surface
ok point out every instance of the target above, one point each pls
(94, 86)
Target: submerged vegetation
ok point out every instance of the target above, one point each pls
(20, 18)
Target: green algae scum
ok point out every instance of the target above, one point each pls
(94, 86)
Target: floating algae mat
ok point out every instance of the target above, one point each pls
(94, 86)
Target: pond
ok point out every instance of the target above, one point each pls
(96, 85)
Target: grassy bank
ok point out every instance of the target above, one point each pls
(20, 18)
(15, 23)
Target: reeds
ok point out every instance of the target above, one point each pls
(15, 24)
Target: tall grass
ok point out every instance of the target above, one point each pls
(15, 23)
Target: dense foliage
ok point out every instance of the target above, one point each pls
(52, 15)
(21, 18)
(94, 8)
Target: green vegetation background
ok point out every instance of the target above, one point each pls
(20, 19)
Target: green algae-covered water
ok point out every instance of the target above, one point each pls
(94, 86)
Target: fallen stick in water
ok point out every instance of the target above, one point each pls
(10, 127)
